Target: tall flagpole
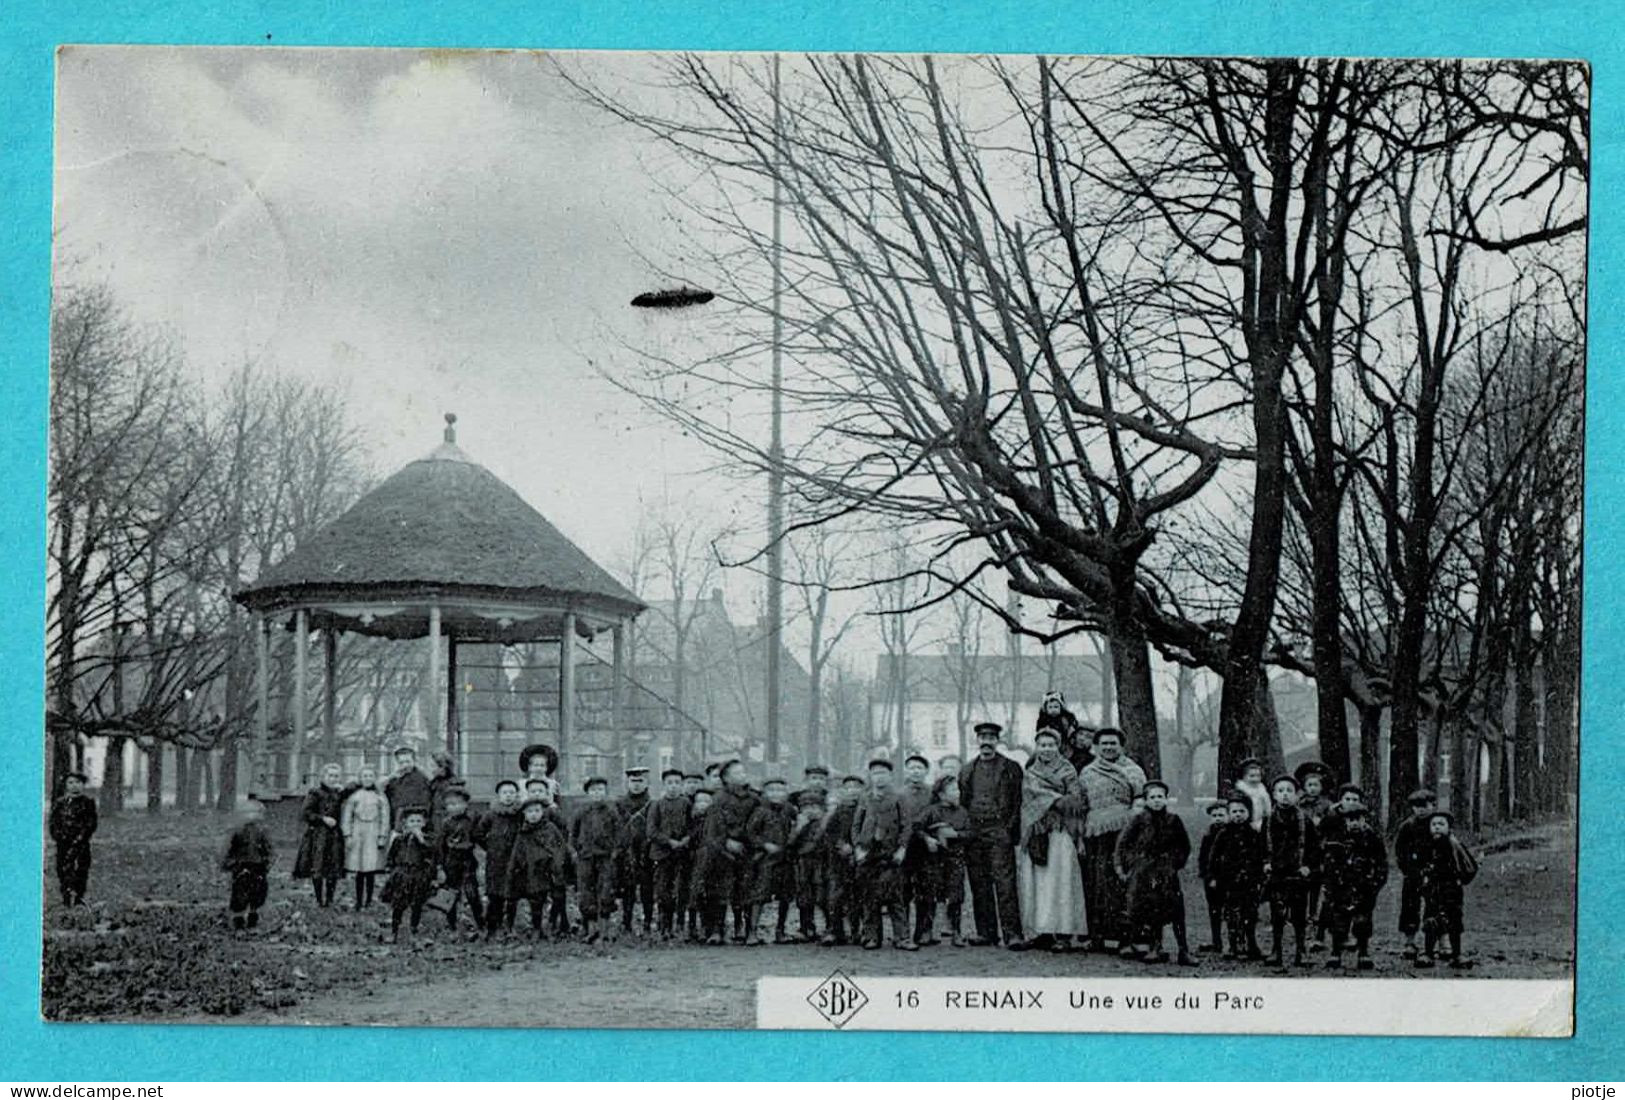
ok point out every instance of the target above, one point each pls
(775, 484)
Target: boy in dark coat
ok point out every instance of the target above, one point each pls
(1151, 851)
(595, 836)
(807, 860)
(543, 789)
(248, 861)
(770, 829)
(454, 850)
(942, 829)
(880, 834)
(699, 868)
(727, 842)
(1356, 867)
(1411, 846)
(915, 875)
(496, 832)
(1239, 854)
(1218, 816)
(666, 827)
(535, 863)
(1313, 777)
(411, 866)
(1447, 868)
(1294, 853)
(73, 823)
(634, 874)
(842, 904)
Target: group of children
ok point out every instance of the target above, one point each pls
(710, 847)
(1323, 863)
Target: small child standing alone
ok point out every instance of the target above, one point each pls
(248, 860)
(73, 822)
(1447, 867)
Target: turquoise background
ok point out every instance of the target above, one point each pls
(30, 29)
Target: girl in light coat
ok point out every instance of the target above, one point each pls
(365, 823)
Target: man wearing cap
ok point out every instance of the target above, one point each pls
(408, 788)
(990, 789)
(633, 874)
(1112, 783)
(73, 821)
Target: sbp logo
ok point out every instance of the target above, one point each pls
(837, 999)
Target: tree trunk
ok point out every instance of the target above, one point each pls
(183, 780)
(226, 795)
(112, 792)
(1136, 703)
(815, 713)
(1562, 678)
(155, 777)
(1266, 743)
(1460, 775)
(1371, 755)
(1525, 725)
(1404, 729)
(1108, 682)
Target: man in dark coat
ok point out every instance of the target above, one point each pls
(843, 910)
(408, 788)
(1151, 851)
(666, 828)
(880, 835)
(727, 843)
(634, 875)
(73, 822)
(1294, 853)
(990, 790)
(1410, 853)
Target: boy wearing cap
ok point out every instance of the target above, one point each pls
(770, 829)
(411, 865)
(1355, 864)
(248, 861)
(534, 866)
(990, 790)
(595, 836)
(1411, 847)
(667, 822)
(1313, 777)
(408, 788)
(727, 842)
(692, 782)
(496, 832)
(807, 860)
(880, 836)
(1151, 851)
(1447, 868)
(698, 890)
(73, 823)
(1294, 852)
(1218, 819)
(943, 829)
(842, 905)
(1239, 854)
(454, 850)
(633, 872)
(915, 877)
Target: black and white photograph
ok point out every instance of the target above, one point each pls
(844, 541)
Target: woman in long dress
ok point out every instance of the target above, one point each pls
(365, 824)
(1049, 883)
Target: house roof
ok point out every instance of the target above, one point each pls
(443, 524)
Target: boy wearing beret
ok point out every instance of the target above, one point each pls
(842, 904)
(1294, 852)
(595, 836)
(880, 834)
(1239, 854)
(667, 823)
(1355, 864)
(1218, 818)
(1447, 868)
(1411, 847)
(73, 823)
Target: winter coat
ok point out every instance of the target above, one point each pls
(1353, 859)
(771, 823)
(1293, 842)
(496, 832)
(408, 792)
(249, 848)
(535, 865)
(1003, 801)
(1238, 857)
(729, 819)
(73, 820)
(321, 848)
(364, 821)
(634, 809)
(454, 843)
(596, 830)
(665, 823)
(880, 826)
(411, 869)
(1151, 851)
(1412, 843)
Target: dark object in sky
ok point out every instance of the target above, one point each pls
(680, 297)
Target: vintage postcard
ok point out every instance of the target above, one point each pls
(815, 541)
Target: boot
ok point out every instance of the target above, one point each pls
(253, 918)
(806, 924)
(899, 933)
(753, 918)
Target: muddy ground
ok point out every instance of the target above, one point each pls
(154, 945)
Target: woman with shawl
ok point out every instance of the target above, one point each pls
(1053, 714)
(1049, 884)
(1111, 783)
